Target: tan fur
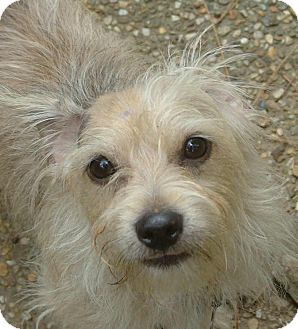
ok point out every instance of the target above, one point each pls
(70, 91)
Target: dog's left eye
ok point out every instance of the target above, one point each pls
(197, 148)
(100, 168)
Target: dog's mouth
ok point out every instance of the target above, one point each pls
(166, 260)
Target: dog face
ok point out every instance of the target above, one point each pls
(163, 173)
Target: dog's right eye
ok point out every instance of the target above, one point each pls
(197, 148)
(100, 168)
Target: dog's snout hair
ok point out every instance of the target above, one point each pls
(142, 183)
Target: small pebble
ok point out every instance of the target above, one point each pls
(273, 105)
(5, 251)
(244, 41)
(3, 269)
(200, 20)
(278, 93)
(108, 20)
(263, 104)
(258, 313)
(224, 30)
(295, 170)
(270, 20)
(264, 122)
(224, 2)
(279, 132)
(244, 13)
(190, 36)
(272, 52)
(162, 30)
(291, 151)
(11, 262)
(294, 131)
(145, 32)
(288, 40)
(253, 323)
(122, 12)
(258, 34)
(232, 14)
(278, 152)
(123, 4)
(269, 38)
(175, 18)
(236, 33)
(177, 4)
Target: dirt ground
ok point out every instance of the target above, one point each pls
(266, 28)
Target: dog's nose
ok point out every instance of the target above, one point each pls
(160, 230)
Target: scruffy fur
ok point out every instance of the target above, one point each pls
(70, 91)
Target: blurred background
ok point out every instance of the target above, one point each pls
(268, 29)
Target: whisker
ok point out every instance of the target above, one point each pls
(97, 233)
(120, 281)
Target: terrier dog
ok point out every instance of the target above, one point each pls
(142, 183)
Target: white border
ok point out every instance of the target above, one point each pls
(3, 5)
(293, 4)
(6, 325)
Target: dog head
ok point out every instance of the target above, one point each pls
(169, 180)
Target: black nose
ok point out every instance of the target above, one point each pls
(160, 230)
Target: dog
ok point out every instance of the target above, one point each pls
(142, 184)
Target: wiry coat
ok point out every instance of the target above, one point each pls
(69, 91)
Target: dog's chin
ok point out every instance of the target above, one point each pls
(166, 260)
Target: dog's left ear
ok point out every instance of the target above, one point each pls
(226, 97)
(235, 109)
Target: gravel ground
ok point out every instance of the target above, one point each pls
(266, 28)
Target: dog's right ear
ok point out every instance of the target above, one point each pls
(67, 136)
(59, 125)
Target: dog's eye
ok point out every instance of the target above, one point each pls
(100, 168)
(197, 148)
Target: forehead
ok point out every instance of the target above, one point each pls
(120, 110)
(135, 109)
(133, 119)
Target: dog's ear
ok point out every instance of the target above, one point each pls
(62, 136)
(227, 97)
(67, 137)
(57, 124)
(235, 109)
